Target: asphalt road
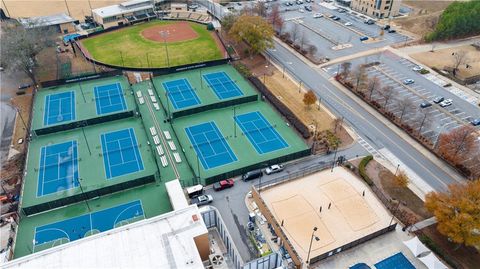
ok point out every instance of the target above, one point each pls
(367, 126)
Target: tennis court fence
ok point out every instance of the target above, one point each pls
(243, 170)
(85, 195)
(83, 123)
(217, 105)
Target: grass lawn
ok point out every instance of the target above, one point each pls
(129, 44)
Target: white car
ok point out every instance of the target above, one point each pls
(446, 102)
(417, 68)
(301, 10)
(274, 169)
(317, 15)
(202, 200)
(348, 24)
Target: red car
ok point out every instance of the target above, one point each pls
(224, 184)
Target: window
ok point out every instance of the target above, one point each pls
(386, 8)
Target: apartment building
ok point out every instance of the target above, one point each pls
(377, 8)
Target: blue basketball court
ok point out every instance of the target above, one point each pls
(181, 93)
(120, 153)
(210, 145)
(260, 132)
(59, 107)
(58, 168)
(222, 85)
(109, 98)
(79, 227)
(397, 261)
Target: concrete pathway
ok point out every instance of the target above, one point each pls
(422, 224)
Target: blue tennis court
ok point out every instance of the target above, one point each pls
(78, 227)
(109, 98)
(59, 107)
(210, 145)
(397, 261)
(222, 85)
(260, 132)
(181, 93)
(58, 168)
(120, 153)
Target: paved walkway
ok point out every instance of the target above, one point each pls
(422, 224)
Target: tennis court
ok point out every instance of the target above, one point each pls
(75, 228)
(222, 85)
(210, 145)
(109, 98)
(120, 153)
(397, 261)
(260, 132)
(58, 168)
(59, 107)
(181, 93)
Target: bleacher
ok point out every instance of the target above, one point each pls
(190, 16)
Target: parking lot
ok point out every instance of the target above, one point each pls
(329, 34)
(392, 71)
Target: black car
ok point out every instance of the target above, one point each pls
(24, 86)
(391, 31)
(475, 122)
(308, 8)
(386, 27)
(425, 105)
(438, 99)
(336, 18)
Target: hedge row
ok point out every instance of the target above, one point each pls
(282, 108)
(363, 172)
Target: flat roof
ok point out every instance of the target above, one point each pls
(113, 10)
(176, 195)
(345, 215)
(50, 20)
(164, 241)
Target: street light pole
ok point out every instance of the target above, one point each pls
(164, 34)
(311, 241)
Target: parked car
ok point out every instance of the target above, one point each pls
(348, 23)
(417, 68)
(446, 102)
(408, 81)
(274, 169)
(299, 2)
(317, 15)
(301, 10)
(341, 10)
(202, 200)
(332, 16)
(386, 27)
(24, 86)
(391, 31)
(425, 105)
(363, 38)
(224, 184)
(252, 175)
(369, 21)
(336, 18)
(438, 99)
(308, 8)
(475, 122)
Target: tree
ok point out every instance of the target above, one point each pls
(255, 31)
(360, 74)
(458, 144)
(373, 84)
(387, 93)
(345, 69)
(459, 58)
(295, 31)
(260, 9)
(21, 46)
(401, 179)
(425, 120)
(405, 105)
(303, 39)
(228, 21)
(457, 212)
(276, 18)
(312, 49)
(309, 98)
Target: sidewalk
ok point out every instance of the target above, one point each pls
(422, 224)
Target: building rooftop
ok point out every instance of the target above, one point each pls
(164, 241)
(42, 21)
(130, 6)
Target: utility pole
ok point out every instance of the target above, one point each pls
(6, 9)
(68, 10)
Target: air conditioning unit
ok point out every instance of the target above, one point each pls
(217, 261)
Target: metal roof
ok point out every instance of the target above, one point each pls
(122, 8)
(42, 21)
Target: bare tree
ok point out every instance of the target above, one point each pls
(295, 31)
(405, 105)
(425, 121)
(261, 9)
(21, 45)
(373, 84)
(360, 75)
(345, 69)
(312, 49)
(459, 58)
(387, 93)
(303, 39)
(276, 18)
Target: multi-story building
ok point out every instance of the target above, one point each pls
(377, 8)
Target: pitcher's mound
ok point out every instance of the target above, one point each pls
(174, 32)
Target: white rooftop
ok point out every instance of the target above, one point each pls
(42, 21)
(122, 8)
(165, 241)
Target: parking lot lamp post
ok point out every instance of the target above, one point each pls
(311, 241)
(164, 35)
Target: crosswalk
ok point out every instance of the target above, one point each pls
(369, 148)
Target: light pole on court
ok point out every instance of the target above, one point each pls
(311, 241)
